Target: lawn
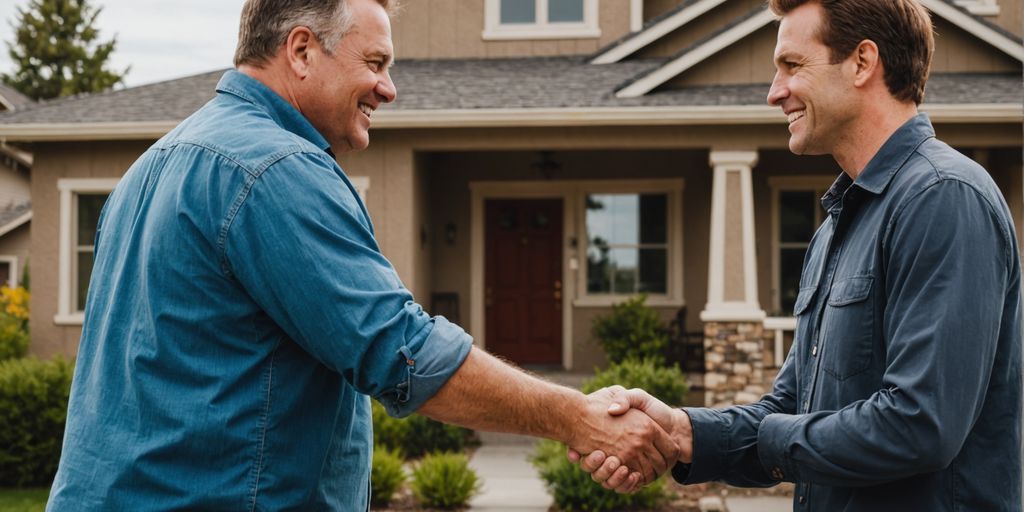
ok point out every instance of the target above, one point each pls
(23, 500)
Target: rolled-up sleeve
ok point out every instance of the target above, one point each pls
(302, 246)
(947, 265)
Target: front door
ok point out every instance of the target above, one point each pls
(523, 279)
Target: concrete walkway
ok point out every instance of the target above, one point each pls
(510, 482)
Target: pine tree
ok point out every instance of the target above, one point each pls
(56, 52)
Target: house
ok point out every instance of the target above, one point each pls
(15, 199)
(547, 159)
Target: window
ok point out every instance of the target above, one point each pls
(541, 19)
(627, 243)
(9, 271)
(797, 213)
(81, 201)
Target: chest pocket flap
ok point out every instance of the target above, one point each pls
(850, 290)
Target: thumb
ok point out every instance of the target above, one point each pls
(626, 399)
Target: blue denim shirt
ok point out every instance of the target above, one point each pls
(902, 391)
(239, 314)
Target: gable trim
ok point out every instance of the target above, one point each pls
(656, 31)
(524, 117)
(976, 27)
(696, 54)
(16, 223)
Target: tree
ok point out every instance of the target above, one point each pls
(56, 52)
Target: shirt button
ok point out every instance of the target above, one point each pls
(802, 500)
(777, 473)
(814, 351)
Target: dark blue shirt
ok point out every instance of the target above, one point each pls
(238, 316)
(902, 391)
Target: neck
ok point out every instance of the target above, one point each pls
(274, 78)
(869, 133)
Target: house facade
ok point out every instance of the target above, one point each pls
(15, 198)
(547, 159)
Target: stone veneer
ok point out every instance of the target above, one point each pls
(734, 370)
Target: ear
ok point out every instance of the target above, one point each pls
(298, 49)
(869, 66)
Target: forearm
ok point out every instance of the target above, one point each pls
(487, 394)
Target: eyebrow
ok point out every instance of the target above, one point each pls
(785, 56)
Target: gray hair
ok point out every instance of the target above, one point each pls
(265, 25)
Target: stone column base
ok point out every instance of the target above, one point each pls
(734, 363)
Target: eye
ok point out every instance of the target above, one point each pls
(376, 65)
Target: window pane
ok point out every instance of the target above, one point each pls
(565, 10)
(653, 271)
(89, 206)
(653, 218)
(598, 276)
(623, 266)
(84, 273)
(518, 11)
(5, 273)
(613, 219)
(796, 215)
(789, 278)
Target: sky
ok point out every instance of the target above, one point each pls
(159, 39)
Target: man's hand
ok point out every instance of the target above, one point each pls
(608, 470)
(642, 447)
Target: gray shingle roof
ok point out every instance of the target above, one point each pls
(9, 214)
(14, 98)
(550, 82)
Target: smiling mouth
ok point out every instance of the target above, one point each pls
(365, 109)
(794, 116)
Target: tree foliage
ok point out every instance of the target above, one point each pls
(56, 50)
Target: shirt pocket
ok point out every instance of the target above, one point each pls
(847, 328)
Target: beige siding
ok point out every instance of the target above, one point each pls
(1011, 17)
(14, 187)
(445, 29)
(655, 8)
(747, 61)
(959, 51)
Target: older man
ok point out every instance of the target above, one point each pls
(240, 311)
(903, 388)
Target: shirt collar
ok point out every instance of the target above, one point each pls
(894, 153)
(283, 113)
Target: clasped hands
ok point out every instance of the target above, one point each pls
(628, 438)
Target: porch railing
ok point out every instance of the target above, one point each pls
(784, 328)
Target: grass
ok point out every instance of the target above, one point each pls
(23, 500)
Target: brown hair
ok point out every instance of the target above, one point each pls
(265, 25)
(902, 29)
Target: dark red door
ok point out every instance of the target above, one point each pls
(523, 279)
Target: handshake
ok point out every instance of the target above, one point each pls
(628, 438)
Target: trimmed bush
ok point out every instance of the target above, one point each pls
(13, 322)
(386, 476)
(33, 409)
(444, 480)
(631, 330)
(667, 384)
(573, 489)
(416, 435)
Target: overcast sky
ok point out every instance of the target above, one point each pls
(160, 39)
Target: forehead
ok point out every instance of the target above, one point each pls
(371, 25)
(799, 30)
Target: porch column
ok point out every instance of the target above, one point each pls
(734, 335)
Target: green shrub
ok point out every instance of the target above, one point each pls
(573, 489)
(13, 338)
(667, 384)
(386, 475)
(444, 480)
(631, 330)
(33, 408)
(417, 435)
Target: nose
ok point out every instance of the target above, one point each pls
(778, 91)
(386, 88)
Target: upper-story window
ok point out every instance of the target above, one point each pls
(541, 19)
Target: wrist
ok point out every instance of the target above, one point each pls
(682, 433)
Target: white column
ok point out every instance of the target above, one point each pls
(732, 268)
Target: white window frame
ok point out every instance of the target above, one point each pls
(69, 189)
(12, 280)
(494, 30)
(980, 7)
(673, 295)
(778, 184)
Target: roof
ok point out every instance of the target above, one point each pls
(14, 217)
(11, 99)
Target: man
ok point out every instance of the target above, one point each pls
(240, 311)
(903, 388)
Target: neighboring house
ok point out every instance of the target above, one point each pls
(15, 199)
(547, 159)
